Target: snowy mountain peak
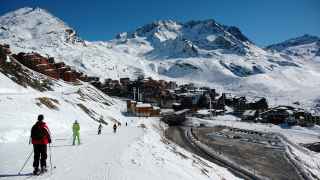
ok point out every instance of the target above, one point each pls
(168, 39)
(306, 46)
(27, 17)
(302, 40)
(32, 24)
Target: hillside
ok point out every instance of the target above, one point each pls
(205, 52)
(137, 148)
(306, 46)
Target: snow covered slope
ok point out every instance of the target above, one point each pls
(204, 52)
(134, 152)
(306, 46)
(29, 29)
(61, 106)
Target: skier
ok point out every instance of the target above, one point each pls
(40, 137)
(126, 123)
(115, 128)
(76, 132)
(99, 129)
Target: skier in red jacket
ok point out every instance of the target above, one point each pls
(40, 136)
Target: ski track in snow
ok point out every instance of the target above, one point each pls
(90, 160)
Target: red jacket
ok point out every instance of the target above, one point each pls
(46, 138)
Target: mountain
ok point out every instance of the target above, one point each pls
(306, 46)
(35, 29)
(201, 52)
(204, 52)
(171, 39)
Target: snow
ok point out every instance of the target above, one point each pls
(143, 105)
(167, 160)
(211, 37)
(136, 151)
(9, 87)
(305, 46)
(203, 111)
(87, 161)
(194, 51)
(249, 113)
(140, 152)
(201, 52)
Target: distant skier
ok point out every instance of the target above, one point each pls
(126, 123)
(40, 137)
(115, 128)
(99, 129)
(76, 132)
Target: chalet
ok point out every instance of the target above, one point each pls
(52, 73)
(131, 106)
(213, 94)
(30, 59)
(316, 119)
(83, 77)
(59, 65)
(229, 99)
(175, 118)
(5, 48)
(96, 84)
(51, 60)
(69, 76)
(176, 106)
(107, 81)
(219, 103)
(93, 78)
(42, 67)
(259, 104)
(306, 119)
(3, 53)
(279, 115)
(172, 85)
(249, 115)
(115, 83)
(124, 81)
(79, 74)
(203, 113)
(47, 66)
(217, 112)
(167, 99)
(156, 111)
(163, 83)
(143, 109)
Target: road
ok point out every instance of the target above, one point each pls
(179, 135)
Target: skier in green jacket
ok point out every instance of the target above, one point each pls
(76, 132)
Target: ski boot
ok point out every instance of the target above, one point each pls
(43, 169)
(36, 171)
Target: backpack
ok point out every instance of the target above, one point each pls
(37, 132)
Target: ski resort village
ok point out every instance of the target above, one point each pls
(193, 100)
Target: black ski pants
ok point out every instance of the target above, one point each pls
(40, 155)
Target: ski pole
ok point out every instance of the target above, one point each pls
(26, 161)
(50, 158)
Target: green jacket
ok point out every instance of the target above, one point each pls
(76, 128)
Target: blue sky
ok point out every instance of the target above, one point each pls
(263, 21)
